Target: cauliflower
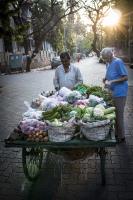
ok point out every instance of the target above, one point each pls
(100, 106)
(86, 117)
(98, 112)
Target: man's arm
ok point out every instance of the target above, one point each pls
(123, 78)
(79, 78)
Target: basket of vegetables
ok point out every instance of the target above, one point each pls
(60, 132)
(97, 130)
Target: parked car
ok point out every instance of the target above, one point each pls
(55, 62)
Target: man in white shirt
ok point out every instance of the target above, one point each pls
(67, 75)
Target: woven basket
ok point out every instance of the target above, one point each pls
(60, 133)
(96, 131)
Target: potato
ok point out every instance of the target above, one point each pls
(37, 134)
(34, 136)
(45, 139)
(40, 136)
(45, 134)
(30, 135)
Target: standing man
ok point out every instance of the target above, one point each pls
(116, 80)
(67, 75)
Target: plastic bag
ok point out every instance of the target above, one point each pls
(31, 125)
(94, 100)
(64, 92)
(32, 113)
(49, 103)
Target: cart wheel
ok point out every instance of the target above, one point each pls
(32, 161)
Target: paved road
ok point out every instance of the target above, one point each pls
(72, 180)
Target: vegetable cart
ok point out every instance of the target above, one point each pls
(32, 152)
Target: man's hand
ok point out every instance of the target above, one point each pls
(108, 83)
(104, 79)
(56, 88)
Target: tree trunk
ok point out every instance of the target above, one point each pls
(94, 43)
(28, 63)
(28, 60)
(38, 46)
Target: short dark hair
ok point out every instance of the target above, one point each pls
(65, 55)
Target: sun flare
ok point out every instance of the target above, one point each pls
(112, 18)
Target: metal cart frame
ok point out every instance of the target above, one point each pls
(32, 152)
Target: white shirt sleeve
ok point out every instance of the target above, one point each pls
(79, 78)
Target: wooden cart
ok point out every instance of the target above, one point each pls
(33, 153)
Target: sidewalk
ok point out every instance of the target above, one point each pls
(81, 179)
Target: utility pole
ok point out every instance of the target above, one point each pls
(129, 38)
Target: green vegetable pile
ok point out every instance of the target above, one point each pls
(59, 112)
(82, 88)
(87, 113)
(95, 90)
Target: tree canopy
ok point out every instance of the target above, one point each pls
(13, 25)
(96, 10)
(46, 17)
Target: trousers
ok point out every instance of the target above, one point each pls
(119, 103)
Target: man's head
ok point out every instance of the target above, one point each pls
(65, 59)
(107, 54)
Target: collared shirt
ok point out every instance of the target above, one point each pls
(67, 79)
(115, 70)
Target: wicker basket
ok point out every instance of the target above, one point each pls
(60, 133)
(76, 154)
(96, 131)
